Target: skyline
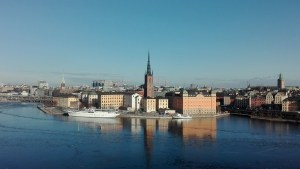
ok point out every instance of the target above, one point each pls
(216, 43)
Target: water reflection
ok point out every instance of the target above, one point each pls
(103, 125)
(227, 142)
(270, 127)
(188, 129)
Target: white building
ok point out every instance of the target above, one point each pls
(84, 97)
(43, 84)
(269, 98)
(92, 99)
(132, 101)
(279, 97)
(24, 93)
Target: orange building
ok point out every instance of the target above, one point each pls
(193, 104)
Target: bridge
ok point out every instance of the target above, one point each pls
(31, 99)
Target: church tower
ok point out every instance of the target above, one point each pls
(280, 83)
(148, 85)
(63, 83)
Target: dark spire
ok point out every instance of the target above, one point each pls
(280, 76)
(148, 65)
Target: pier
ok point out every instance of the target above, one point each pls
(51, 110)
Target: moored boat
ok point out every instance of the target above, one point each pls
(181, 116)
(94, 113)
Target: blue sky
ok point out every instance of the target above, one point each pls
(220, 43)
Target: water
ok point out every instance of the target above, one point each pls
(31, 139)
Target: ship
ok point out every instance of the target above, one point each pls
(97, 113)
(180, 116)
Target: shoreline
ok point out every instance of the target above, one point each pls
(266, 118)
(58, 111)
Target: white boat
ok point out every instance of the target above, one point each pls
(94, 113)
(180, 116)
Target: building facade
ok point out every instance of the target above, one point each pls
(110, 100)
(43, 84)
(149, 105)
(196, 104)
(242, 102)
(92, 99)
(291, 104)
(162, 104)
(257, 101)
(66, 101)
(132, 101)
(279, 97)
(269, 98)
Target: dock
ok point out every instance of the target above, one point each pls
(51, 110)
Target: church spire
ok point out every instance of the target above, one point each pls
(63, 83)
(280, 76)
(148, 65)
(63, 79)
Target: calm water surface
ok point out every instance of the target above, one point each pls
(31, 139)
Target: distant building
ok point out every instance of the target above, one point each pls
(24, 93)
(257, 101)
(148, 85)
(227, 100)
(132, 101)
(162, 104)
(291, 104)
(43, 84)
(192, 104)
(111, 100)
(242, 102)
(92, 99)
(269, 98)
(103, 84)
(279, 97)
(66, 101)
(149, 105)
(39, 92)
(32, 90)
(84, 97)
(6, 88)
(280, 82)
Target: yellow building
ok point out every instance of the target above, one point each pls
(149, 105)
(279, 97)
(162, 104)
(291, 104)
(66, 101)
(111, 100)
(193, 104)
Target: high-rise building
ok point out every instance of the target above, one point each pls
(148, 85)
(280, 83)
